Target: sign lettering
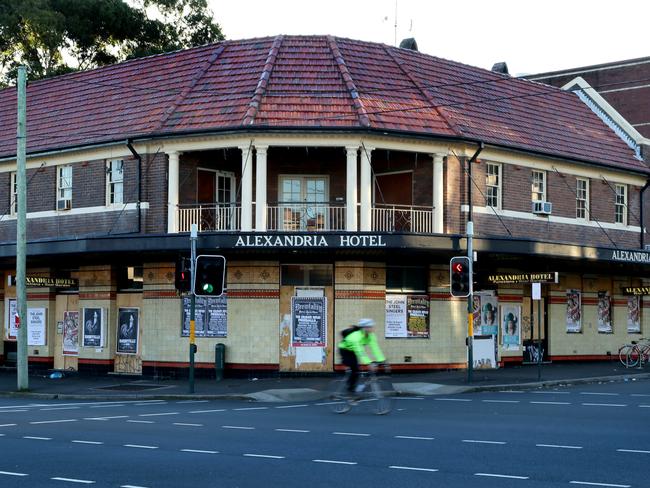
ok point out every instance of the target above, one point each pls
(547, 277)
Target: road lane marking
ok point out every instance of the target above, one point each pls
(13, 411)
(604, 405)
(640, 395)
(602, 394)
(73, 480)
(269, 456)
(141, 421)
(7, 425)
(251, 408)
(453, 400)
(187, 425)
(193, 401)
(199, 451)
(351, 433)
(512, 391)
(500, 401)
(642, 406)
(414, 437)
(331, 461)
(157, 414)
(598, 484)
(633, 450)
(107, 418)
(495, 475)
(551, 403)
(11, 473)
(34, 438)
(292, 430)
(58, 408)
(292, 406)
(88, 442)
(474, 441)
(132, 486)
(551, 392)
(558, 446)
(409, 398)
(414, 469)
(107, 406)
(209, 411)
(237, 427)
(138, 446)
(53, 421)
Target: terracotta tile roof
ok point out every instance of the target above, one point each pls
(308, 82)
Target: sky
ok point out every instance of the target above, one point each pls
(531, 36)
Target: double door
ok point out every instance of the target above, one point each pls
(216, 198)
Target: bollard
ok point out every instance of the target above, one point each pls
(219, 360)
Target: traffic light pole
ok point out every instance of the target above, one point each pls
(470, 303)
(193, 236)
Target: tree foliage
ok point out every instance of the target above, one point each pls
(53, 37)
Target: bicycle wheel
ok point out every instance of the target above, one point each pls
(633, 356)
(624, 354)
(382, 404)
(336, 396)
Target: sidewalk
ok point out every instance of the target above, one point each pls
(284, 388)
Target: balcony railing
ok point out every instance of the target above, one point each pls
(209, 218)
(311, 217)
(402, 218)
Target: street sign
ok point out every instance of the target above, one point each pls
(545, 277)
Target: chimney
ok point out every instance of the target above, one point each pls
(500, 68)
(409, 43)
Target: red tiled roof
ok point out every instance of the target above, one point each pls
(296, 82)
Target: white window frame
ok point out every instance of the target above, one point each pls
(112, 181)
(13, 203)
(535, 191)
(582, 198)
(63, 184)
(303, 203)
(497, 187)
(620, 204)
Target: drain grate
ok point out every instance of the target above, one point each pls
(129, 387)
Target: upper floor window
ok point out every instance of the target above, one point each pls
(493, 185)
(13, 209)
(115, 181)
(64, 188)
(582, 199)
(620, 207)
(538, 186)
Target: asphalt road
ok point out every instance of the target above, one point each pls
(588, 435)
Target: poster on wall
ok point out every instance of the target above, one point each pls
(395, 316)
(210, 316)
(93, 330)
(476, 315)
(604, 313)
(484, 354)
(489, 317)
(36, 326)
(12, 310)
(309, 321)
(70, 333)
(127, 330)
(573, 312)
(417, 316)
(510, 326)
(634, 314)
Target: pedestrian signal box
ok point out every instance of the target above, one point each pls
(459, 276)
(184, 275)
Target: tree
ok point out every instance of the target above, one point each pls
(53, 37)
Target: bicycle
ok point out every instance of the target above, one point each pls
(635, 353)
(369, 389)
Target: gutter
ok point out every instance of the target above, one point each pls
(139, 158)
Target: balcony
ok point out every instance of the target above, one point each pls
(307, 217)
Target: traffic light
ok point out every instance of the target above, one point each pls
(183, 275)
(209, 274)
(460, 276)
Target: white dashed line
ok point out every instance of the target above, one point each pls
(494, 475)
(10, 473)
(237, 427)
(633, 450)
(500, 401)
(351, 433)
(604, 405)
(250, 408)
(640, 395)
(157, 414)
(453, 400)
(414, 437)
(13, 411)
(193, 401)
(73, 480)
(7, 425)
(602, 394)
(37, 438)
(209, 411)
(413, 469)
(53, 421)
(199, 451)
(269, 456)
(141, 421)
(512, 391)
(642, 406)
(558, 446)
(106, 406)
(107, 418)
(187, 425)
(551, 403)
(132, 486)
(293, 430)
(58, 408)
(598, 484)
(292, 406)
(474, 441)
(409, 398)
(88, 442)
(551, 392)
(138, 446)
(330, 461)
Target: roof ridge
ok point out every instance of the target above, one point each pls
(430, 99)
(190, 86)
(362, 113)
(262, 83)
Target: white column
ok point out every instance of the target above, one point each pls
(366, 190)
(172, 192)
(438, 195)
(260, 188)
(351, 190)
(246, 189)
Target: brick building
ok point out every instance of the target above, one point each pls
(335, 176)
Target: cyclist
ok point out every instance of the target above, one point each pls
(353, 349)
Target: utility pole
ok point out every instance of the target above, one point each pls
(21, 240)
(193, 236)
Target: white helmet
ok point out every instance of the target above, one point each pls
(366, 323)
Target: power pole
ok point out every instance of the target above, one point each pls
(21, 240)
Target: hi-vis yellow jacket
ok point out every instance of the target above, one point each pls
(357, 342)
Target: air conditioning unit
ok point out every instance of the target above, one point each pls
(542, 208)
(64, 204)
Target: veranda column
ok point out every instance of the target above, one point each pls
(260, 188)
(366, 190)
(172, 192)
(246, 188)
(351, 190)
(438, 195)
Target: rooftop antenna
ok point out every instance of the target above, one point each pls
(395, 40)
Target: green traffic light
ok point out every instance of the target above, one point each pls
(208, 288)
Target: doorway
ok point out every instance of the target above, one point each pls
(393, 196)
(215, 193)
